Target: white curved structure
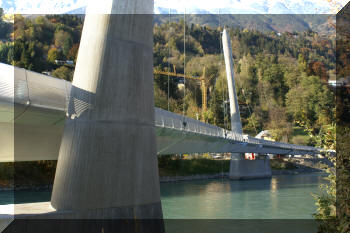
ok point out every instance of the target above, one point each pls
(33, 109)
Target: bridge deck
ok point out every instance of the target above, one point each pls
(37, 104)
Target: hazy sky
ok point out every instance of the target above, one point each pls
(210, 6)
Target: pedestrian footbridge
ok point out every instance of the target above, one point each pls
(33, 109)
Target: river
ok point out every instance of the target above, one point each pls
(281, 197)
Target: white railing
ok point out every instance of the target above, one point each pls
(171, 120)
(174, 121)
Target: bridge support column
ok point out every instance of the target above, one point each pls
(239, 167)
(236, 125)
(249, 169)
(107, 165)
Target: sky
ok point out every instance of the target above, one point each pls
(179, 6)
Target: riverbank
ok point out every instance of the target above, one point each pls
(164, 179)
(298, 166)
(177, 178)
(226, 175)
(39, 175)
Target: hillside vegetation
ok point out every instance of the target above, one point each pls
(281, 79)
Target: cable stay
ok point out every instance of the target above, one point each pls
(224, 94)
(184, 97)
(249, 109)
(168, 60)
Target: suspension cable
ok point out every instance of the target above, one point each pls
(249, 109)
(223, 88)
(184, 100)
(168, 60)
(220, 66)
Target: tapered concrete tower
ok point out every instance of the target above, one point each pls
(236, 124)
(107, 165)
(239, 167)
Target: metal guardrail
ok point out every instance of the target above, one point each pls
(29, 88)
(178, 122)
(171, 120)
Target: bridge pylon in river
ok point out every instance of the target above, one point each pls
(239, 167)
(107, 165)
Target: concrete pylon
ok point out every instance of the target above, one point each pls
(107, 165)
(236, 125)
(239, 167)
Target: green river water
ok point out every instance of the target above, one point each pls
(281, 197)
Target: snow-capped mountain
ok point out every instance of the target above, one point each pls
(246, 6)
(180, 6)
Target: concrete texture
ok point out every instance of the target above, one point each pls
(44, 210)
(250, 169)
(107, 165)
(239, 167)
(41, 217)
(5, 221)
(236, 124)
(235, 117)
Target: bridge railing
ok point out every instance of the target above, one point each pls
(6, 83)
(28, 88)
(178, 122)
(281, 145)
(171, 120)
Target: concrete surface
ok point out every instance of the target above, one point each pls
(250, 169)
(6, 216)
(107, 166)
(236, 124)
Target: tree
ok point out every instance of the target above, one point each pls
(54, 54)
(63, 73)
(73, 53)
(64, 41)
(254, 124)
(5, 27)
(275, 76)
(310, 102)
(4, 51)
(301, 62)
(280, 128)
(317, 68)
(326, 202)
(247, 80)
(161, 100)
